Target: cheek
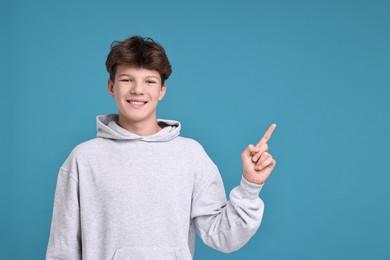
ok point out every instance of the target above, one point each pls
(120, 92)
(156, 95)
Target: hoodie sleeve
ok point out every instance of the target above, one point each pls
(64, 241)
(225, 225)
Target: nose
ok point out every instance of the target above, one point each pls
(137, 89)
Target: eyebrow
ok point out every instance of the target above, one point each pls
(129, 75)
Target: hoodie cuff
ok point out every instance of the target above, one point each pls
(251, 190)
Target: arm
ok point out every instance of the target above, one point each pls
(65, 238)
(228, 225)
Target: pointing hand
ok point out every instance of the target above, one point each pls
(257, 163)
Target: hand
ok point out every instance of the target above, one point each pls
(257, 163)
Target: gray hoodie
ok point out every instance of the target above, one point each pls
(124, 196)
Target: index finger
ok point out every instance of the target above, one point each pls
(267, 135)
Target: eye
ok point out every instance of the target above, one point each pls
(151, 82)
(125, 80)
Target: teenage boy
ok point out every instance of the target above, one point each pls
(139, 190)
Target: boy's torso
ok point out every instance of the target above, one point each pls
(136, 195)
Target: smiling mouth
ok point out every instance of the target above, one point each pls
(138, 103)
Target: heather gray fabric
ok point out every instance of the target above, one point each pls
(124, 196)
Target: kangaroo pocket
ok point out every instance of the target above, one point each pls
(147, 253)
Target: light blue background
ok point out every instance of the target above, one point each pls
(318, 69)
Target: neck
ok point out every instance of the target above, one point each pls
(140, 128)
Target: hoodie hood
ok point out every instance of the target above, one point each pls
(107, 127)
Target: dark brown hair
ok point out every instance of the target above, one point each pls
(140, 52)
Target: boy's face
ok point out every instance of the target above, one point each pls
(136, 92)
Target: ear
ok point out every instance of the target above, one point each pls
(162, 91)
(110, 85)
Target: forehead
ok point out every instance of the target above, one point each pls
(133, 71)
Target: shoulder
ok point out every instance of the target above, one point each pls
(188, 141)
(189, 144)
(80, 152)
(89, 145)
(196, 151)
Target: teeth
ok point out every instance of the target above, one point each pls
(137, 103)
